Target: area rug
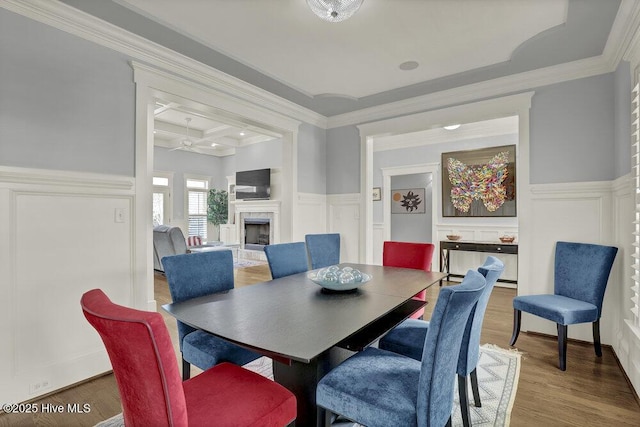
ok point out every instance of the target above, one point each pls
(242, 263)
(498, 372)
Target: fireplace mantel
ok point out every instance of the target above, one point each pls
(258, 209)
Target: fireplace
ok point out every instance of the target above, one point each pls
(256, 233)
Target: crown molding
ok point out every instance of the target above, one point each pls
(623, 43)
(623, 32)
(483, 129)
(88, 27)
(487, 89)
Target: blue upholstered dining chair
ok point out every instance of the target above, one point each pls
(323, 249)
(380, 388)
(581, 274)
(408, 339)
(286, 259)
(195, 275)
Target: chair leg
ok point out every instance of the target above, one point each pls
(186, 370)
(475, 389)
(596, 338)
(517, 317)
(464, 400)
(562, 346)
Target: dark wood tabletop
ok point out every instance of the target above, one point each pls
(294, 322)
(292, 318)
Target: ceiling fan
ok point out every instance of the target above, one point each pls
(186, 143)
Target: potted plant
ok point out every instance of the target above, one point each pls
(217, 208)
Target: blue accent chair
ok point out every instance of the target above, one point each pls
(323, 249)
(580, 277)
(380, 388)
(195, 275)
(286, 259)
(408, 339)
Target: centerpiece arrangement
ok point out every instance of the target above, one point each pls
(336, 279)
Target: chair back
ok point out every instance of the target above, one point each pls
(286, 259)
(442, 344)
(323, 249)
(195, 275)
(143, 360)
(409, 255)
(470, 348)
(582, 271)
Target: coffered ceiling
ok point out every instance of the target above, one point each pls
(205, 134)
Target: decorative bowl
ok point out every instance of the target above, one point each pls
(335, 279)
(507, 239)
(453, 237)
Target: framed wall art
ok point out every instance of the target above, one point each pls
(408, 201)
(479, 183)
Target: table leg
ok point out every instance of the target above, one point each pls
(444, 263)
(301, 379)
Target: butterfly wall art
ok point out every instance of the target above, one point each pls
(479, 182)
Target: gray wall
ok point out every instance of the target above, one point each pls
(183, 163)
(622, 117)
(258, 156)
(312, 159)
(343, 160)
(572, 138)
(579, 133)
(65, 103)
(413, 227)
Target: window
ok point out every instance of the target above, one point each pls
(161, 198)
(197, 191)
(635, 158)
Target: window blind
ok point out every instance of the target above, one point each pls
(635, 158)
(198, 213)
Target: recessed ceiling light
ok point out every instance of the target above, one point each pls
(241, 133)
(213, 144)
(408, 65)
(452, 127)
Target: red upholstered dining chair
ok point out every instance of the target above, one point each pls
(409, 255)
(146, 370)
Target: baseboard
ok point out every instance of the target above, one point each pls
(626, 377)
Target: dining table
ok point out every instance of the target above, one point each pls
(305, 328)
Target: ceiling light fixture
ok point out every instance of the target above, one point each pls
(452, 127)
(334, 10)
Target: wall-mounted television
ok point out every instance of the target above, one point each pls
(253, 184)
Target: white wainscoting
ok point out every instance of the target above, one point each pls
(311, 215)
(344, 218)
(576, 212)
(63, 234)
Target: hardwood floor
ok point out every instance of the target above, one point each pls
(591, 392)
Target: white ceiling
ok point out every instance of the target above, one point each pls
(359, 57)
